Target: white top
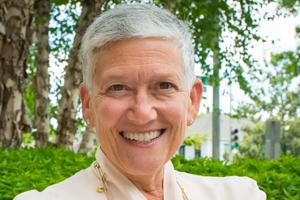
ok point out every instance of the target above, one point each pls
(83, 186)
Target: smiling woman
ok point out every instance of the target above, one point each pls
(142, 101)
(140, 94)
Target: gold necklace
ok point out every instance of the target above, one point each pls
(103, 187)
(184, 195)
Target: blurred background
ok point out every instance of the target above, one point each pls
(247, 54)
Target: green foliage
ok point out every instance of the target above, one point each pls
(291, 137)
(289, 61)
(276, 91)
(210, 21)
(253, 141)
(27, 140)
(291, 5)
(64, 16)
(60, 2)
(277, 99)
(280, 179)
(252, 144)
(62, 27)
(27, 169)
(245, 110)
(195, 140)
(28, 94)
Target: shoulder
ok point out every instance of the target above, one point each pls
(75, 187)
(225, 188)
(33, 195)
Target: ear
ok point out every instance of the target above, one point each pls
(87, 110)
(195, 100)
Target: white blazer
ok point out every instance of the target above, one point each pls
(83, 186)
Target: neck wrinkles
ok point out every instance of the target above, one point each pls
(163, 186)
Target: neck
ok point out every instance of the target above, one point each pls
(150, 185)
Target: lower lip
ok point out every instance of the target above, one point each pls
(143, 144)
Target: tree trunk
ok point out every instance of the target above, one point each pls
(88, 141)
(41, 80)
(14, 39)
(70, 91)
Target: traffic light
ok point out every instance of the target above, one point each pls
(234, 139)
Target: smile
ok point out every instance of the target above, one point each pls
(142, 137)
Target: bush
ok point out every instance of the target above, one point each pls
(280, 179)
(26, 169)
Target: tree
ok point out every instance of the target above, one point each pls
(70, 90)
(88, 140)
(252, 145)
(41, 79)
(212, 16)
(290, 5)
(210, 21)
(277, 99)
(277, 102)
(292, 138)
(195, 140)
(15, 37)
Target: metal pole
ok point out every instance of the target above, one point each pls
(216, 106)
(272, 139)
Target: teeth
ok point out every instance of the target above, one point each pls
(142, 137)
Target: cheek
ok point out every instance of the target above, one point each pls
(176, 111)
(108, 112)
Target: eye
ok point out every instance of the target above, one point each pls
(116, 88)
(166, 85)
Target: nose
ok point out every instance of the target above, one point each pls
(142, 111)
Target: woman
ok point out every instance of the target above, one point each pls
(140, 93)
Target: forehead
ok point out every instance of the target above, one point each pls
(154, 54)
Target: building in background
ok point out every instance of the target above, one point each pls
(230, 130)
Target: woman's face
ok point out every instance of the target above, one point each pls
(140, 103)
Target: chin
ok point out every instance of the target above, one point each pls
(146, 165)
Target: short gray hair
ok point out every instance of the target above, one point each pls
(136, 21)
